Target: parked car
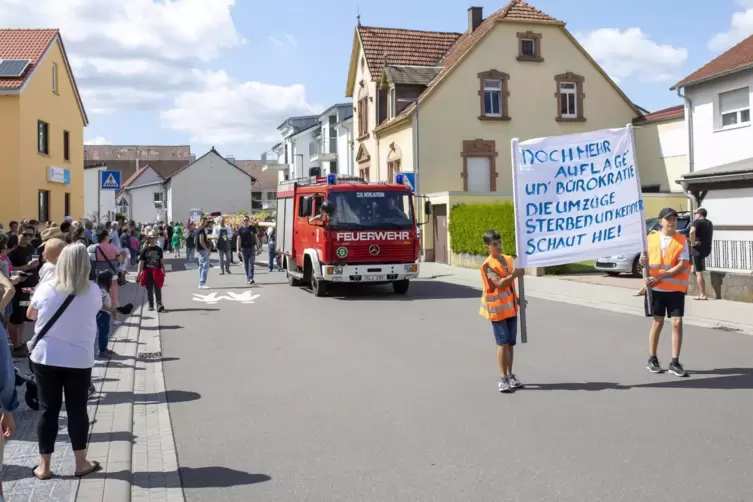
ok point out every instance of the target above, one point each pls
(629, 263)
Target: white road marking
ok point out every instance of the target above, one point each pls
(213, 298)
(168, 267)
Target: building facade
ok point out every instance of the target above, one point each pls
(446, 106)
(43, 120)
(324, 150)
(718, 102)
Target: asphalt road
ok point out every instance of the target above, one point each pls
(375, 397)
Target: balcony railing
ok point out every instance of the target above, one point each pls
(732, 255)
(323, 150)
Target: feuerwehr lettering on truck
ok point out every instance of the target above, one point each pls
(373, 236)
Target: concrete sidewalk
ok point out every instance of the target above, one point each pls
(131, 433)
(716, 314)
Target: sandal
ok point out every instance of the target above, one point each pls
(38, 476)
(95, 467)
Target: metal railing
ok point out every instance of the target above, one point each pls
(732, 255)
(319, 147)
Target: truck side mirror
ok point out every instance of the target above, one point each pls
(427, 208)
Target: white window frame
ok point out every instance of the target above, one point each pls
(568, 92)
(737, 112)
(55, 78)
(161, 197)
(493, 87)
(391, 101)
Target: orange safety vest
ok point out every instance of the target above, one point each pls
(658, 264)
(498, 303)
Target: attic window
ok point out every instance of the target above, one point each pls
(529, 47)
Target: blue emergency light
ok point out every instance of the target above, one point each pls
(332, 179)
(400, 179)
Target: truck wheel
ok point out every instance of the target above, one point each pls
(401, 287)
(319, 288)
(293, 281)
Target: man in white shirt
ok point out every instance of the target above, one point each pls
(114, 235)
(222, 234)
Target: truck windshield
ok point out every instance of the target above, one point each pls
(371, 209)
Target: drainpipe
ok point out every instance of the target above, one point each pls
(691, 155)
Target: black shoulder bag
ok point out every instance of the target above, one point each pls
(35, 339)
(121, 279)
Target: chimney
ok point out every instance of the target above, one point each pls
(475, 17)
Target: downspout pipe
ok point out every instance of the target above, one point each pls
(691, 149)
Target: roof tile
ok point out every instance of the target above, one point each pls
(516, 10)
(403, 47)
(739, 56)
(23, 44)
(673, 112)
(264, 180)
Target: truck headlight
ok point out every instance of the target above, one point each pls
(411, 268)
(338, 270)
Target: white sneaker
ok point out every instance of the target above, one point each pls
(504, 385)
(514, 382)
(117, 323)
(203, 286)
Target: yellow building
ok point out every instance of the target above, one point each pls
(447, 105)
(42, 118)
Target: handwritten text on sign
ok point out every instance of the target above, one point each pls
(577, 197)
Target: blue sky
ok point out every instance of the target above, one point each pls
(225, 73)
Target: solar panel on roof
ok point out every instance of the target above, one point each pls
(13, 68)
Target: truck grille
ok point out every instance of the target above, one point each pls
(389, 252)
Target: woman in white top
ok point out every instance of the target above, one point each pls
(64, 357)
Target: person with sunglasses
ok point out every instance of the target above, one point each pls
(25, 260)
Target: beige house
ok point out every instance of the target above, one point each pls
(447, 105)
(661, 143)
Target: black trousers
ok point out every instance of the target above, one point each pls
(152, 290)
(54, 382)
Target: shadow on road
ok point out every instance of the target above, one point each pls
(162, 327)
(419, 290)
(173, 396)
(722, 379)
(191, 310)
(190, 477)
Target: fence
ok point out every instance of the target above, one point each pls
(732, 255)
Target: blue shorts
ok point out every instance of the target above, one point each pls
(506, 331)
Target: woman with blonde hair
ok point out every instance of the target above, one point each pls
(62, 352)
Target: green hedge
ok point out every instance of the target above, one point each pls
(468, 222)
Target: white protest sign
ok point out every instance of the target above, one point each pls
(577, 197)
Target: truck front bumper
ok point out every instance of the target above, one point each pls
(373, 273)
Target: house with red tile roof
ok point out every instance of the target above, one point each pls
(43, 118)
(447, 105)
(718, 105)
(661, 148)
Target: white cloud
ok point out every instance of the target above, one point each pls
(226, 112)
(131, 53)
(628, 53)
(276, 41)
(740, 28)
(291, 39)
(99, 140)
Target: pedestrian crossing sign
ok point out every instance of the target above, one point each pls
(110, 180)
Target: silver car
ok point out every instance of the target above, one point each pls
(629, 263)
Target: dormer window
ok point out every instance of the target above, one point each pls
(529, 47)
(391, 102)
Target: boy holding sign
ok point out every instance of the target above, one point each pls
(499, 304)
(668, 262)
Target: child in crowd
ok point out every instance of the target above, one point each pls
(104, 281)
(51, 253)
(151, 271)
(177, 239)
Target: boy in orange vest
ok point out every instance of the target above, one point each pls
(499, 304)
(668, 262)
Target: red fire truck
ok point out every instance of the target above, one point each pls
(337, 229)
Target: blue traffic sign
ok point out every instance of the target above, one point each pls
(408, 179)
(109, 180)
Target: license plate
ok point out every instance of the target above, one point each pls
(604, 264)
(374, 278)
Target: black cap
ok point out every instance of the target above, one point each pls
(667, 212)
